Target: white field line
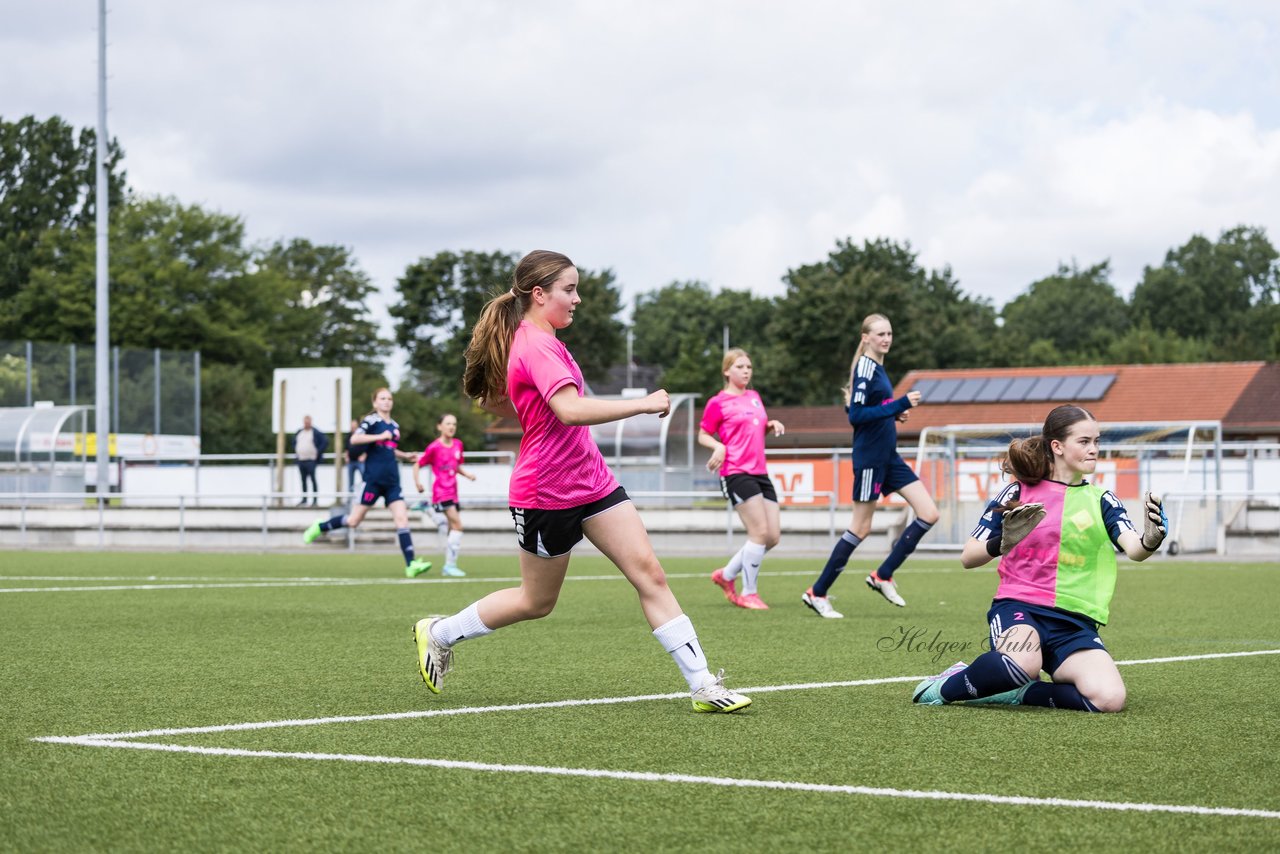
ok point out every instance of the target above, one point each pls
(188, 584)
(128, 741)
(554, 704)
(651, 777)
(151, 582)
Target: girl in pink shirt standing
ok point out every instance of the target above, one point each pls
(561, 488)
(444, 457)
(733, 426)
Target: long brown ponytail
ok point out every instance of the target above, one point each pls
(485, 377)
(1030, 460)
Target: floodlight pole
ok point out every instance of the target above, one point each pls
(102, 395)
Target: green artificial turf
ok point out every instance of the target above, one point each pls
(190, 653)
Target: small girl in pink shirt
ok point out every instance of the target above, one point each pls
(733, 427)
(444, 458)
(561, 488)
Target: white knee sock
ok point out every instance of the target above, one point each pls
(442, 525)
(680, 640)
(464, 625)
(752, 557)
(734, 566)
(452, 549)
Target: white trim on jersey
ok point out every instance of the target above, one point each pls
(865, 370)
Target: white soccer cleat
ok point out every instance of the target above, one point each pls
(887, 589)
(434, 658)
(714, 697)
(821, 605)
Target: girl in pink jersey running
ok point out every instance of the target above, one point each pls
(733, 427)
(1056, 536)
(444, 457)
(561, 488)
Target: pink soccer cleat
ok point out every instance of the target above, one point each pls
(728, 585)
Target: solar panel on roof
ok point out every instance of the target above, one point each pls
(925, 387)
(968, 389)
(993, 389)
(944, 390)
(1070, 387)
(1045, 388)
(1018, 389)
(1096, 386)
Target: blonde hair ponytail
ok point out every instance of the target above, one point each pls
(857, 354)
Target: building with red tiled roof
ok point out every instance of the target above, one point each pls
(1243, 396)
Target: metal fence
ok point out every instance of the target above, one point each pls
(152, 391)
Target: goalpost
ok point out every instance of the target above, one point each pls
(1182, 460)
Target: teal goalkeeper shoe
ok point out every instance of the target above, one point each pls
(309, 536)
(416, 568)
(929, 692)
(1006, 698)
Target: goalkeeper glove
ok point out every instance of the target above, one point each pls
(1155, 525)
(1016, 524)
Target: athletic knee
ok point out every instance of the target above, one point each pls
(650, 578)
(535, 608)
(1109, 700)
(771, 540)
(929, 517)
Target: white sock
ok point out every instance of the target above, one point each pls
(752, 557)
(734, 566)
(680, 640)
(464, 625)
(452, 549)
(442, 526)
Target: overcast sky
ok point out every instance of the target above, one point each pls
(720, 141)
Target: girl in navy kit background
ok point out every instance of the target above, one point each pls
(379, 436)
(878, 469)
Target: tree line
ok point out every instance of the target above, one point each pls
(187, 278)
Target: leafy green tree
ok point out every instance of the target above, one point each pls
(47, 181)
(418, 416)
(441, 298)
(681, 327)
(179, 280)
(1219, 291)
(816, 326)
(320, 300)
(1076, 313)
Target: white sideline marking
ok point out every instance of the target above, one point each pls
(553, 704)
(652, 777)
(127, 740)
(189, 583)
(218, 582)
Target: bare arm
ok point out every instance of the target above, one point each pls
(1131, 543)
(975, 553)
(577, 411)
(417, 481)
(468, 475)
(714, 445)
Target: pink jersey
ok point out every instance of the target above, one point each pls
(558, 466)
(739, 421)
(443, 460)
